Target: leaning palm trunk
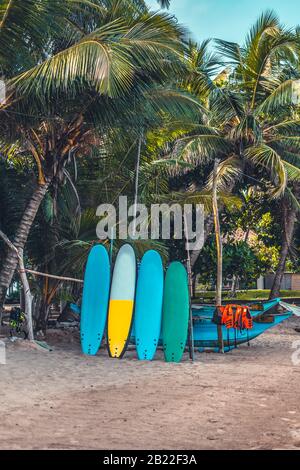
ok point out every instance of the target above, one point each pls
(26, 287)
(11, 259)
(289, 217)
(234, 285)
(28, 297)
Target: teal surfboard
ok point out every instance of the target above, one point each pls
(148, 305)
(176, 308)
(95, 300)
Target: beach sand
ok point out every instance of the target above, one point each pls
(246, 399)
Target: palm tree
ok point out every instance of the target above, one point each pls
(96, 76)
(252, 117)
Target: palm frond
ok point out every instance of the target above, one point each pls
(202, 67)
(286, 127)
(267, 157)
(229, 172)
(25, 24)
(173, 101)
(231, 51)
(164, 3)
(267, 24)
(202, 197)
(107, 59)
(225, 105)
(202, 147)
(282, 96)
(289, 194)
(293, 172)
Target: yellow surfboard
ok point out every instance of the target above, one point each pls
(121, 305)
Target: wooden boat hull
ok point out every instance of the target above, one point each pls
(205, 331)
(206, 336)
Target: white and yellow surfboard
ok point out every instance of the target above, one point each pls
(121, 305)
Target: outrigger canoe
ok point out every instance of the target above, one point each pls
(265, 315)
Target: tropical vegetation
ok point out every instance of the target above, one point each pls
(93, 87)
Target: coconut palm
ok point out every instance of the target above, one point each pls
(252, 117)
(99, 75)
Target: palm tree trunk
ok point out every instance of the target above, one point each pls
(289, 217)
(219, 244)
(28, 298)
(218, 239)
(11, 259)
(234, 285)
(209, 224)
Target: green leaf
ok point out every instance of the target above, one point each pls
(282, 96)
(265, 156)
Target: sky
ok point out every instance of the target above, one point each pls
(229, 19)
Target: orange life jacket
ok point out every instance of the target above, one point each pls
(236, 316)
(247, 321)
(228, 316)
(238, 321)
(243, 319)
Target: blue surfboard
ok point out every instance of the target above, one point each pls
(95, 300)
(148, 305)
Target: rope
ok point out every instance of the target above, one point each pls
(36, 273)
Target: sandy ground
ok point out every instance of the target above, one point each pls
(247, 399)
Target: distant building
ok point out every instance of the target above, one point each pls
(290, 281)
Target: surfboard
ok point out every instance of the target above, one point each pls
(95, 300)
(148, 305)
(121, 305)
(176, 307)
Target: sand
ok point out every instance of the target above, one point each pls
(247, 399)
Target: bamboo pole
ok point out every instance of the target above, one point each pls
(219, 251)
